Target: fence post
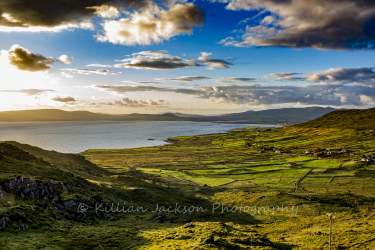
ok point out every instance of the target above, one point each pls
(330, 229)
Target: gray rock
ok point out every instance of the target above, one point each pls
(3, 223)
(72, 205)
(29, 188)
(64, 188)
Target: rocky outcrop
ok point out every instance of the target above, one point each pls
(47, 201)
(30, 188)
(3, 222)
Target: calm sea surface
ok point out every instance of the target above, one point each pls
(75, 137)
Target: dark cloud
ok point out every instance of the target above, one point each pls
(221, 79)
(185, 78)
(161, 60)
(93, 71)
(236, 80)
(359, 76)
(159, 63)
(282, 74)
(44, 13)
(157, 60)
(322, 24)
(213, 63)
(28, 61)
(289, 77)
(67, 99)
(29, 91)
(25, 60)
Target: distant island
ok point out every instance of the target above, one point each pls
(272, 116)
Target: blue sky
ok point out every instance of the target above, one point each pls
(201, 57)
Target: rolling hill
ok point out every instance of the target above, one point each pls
(344, 119)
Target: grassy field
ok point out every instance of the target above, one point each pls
(253, 188)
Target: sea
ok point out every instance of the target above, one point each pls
(79, 136)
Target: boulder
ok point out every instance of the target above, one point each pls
(3, 223)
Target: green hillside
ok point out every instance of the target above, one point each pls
(252, 188)
(345, 119)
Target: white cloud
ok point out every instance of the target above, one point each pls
(92, 71)
(334, 87)
(152, 25)
(65, 59)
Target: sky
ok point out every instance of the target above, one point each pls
(194, 57)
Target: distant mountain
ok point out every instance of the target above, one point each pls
(344, 119)
(54, 115)
(146, 117)
(272, 116)
(186, 115)
(286, 115)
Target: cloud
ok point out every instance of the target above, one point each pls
(282, 74)
(99, 65)
(67, 99)
(106, 11)
(92, 71)
(141, 103)
(156, 60)
(185, 78)
(359, 76)
(42, 15)
(29, 91)
(123, 89)
(161, 60)
(152, 25)
(333, 87)
(289, 76)
(65, 59)
(220, 80)
(131, 82)
(25, 60)
(321, 24)
(129, 103)
(28, 61)
(236, 80)
(213, 63)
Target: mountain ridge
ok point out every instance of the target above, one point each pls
(286, 115)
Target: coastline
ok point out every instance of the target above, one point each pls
(79, 136)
